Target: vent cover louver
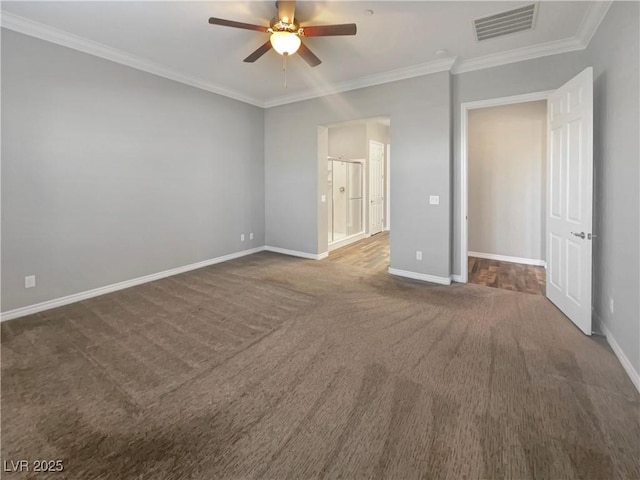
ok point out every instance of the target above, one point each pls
(506, 22)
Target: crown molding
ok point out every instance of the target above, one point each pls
(50, 34)
(580, 41)
(443, 65)
(592, 21)
(518, 55)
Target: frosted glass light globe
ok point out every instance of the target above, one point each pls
(285, 42)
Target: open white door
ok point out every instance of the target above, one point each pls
(376, 187)
(570, 192)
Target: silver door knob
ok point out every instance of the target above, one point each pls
(581, 234)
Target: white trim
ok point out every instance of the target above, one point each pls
(592, 21)
(494, 102)
(69, 40)
(506, 258)
(295, 253)
(580, 41)
(457, 278)
(387, 220)
(420, 276)
(77, 297)
(346, 241)
(518, 55)
(464, 181)
(626, 364)
(436, 66)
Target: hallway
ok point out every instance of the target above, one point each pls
(371, 253)
(507, 276)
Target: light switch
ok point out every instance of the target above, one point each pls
(30, 281)
(323, 198)
(434, 200)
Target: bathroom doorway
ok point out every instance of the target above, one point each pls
(357, 191)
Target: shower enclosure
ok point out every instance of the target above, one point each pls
(345, 199)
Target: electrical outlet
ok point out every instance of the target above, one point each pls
(242, 237)
(30, 281)
(418, 255)
(434, 199)
(251, 236)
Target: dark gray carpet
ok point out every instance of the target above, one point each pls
(274, 367)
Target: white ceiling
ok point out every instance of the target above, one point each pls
(399, 40)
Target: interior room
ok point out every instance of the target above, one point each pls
(357, 196)
(188, 293)
(507, 160)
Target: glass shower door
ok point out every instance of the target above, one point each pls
(340, 200)
(345, 199)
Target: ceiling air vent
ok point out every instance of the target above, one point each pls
(505, 23)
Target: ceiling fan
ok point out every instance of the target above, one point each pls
(286, 32)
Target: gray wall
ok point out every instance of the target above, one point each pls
(378, 132)
(506, 163)
(420, 114)
(110, 173)
(348, 142)
(615, 55)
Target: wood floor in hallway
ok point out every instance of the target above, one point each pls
(371, 253)
(516, 277)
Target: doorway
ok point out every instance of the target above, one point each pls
(569, 199)
(357, 190)
(466, 109)
(506, 160)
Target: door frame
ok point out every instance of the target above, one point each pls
(384, 179)
(464, 159)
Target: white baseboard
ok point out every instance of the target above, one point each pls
(346, 241)
(457, 278)
(505, 258)
(77, 297)
(420, 276)
(626, 364)
(295, 253)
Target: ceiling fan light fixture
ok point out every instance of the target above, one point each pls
(285, 43)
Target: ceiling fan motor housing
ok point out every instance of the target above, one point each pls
(278, 25)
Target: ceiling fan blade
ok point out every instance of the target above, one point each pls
(286, 11)
(259, 52)
(308, 56)
(230, 23)
(330, 30)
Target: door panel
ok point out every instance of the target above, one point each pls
(340, 202)
(570, 187)
(574, 174)
(555, 260)
(555, 178)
